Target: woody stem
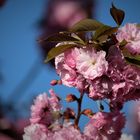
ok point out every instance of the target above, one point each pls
(79, 101)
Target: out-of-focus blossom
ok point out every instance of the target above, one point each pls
(134, 120)
(20, 124)
(105, 126)
(67, 13)
(126, 137)
(138, 109)
(60, 15)
(131, 33)
(10, 130)
(5, 137)
(35, 132)
(2, 2)
(44, 107)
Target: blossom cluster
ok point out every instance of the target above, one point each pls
(46, 123)
(101, 74)
(100, 61)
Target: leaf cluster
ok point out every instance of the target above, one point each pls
(93, 32)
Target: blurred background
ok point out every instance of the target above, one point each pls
(23, 74)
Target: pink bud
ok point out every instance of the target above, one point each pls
(87, 112)
(71, 98)
(54, 82)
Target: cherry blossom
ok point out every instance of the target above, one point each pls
(44, 107)
(35, 132)
(131, 33)
(105, 126)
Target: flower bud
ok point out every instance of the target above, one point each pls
(71, 98)
(69, 114)
(87, 112)
(54, 82)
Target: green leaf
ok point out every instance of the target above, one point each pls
(79, 39)
(60, 37)
(133, 59)
(64, 37)
(58, 50)
(104, 31)
(123, 43)
(117, 14)
(56, 115)
(86, 25)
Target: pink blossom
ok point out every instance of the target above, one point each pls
(66, 68)
(129, 85)
(81, 83)
(91, 64)
(54, 101)
(78, 65)
(131, 33)
(105, 126)
(67, 74)
(70, 57)
(116, 64)
(35, 132)
(100, 88)
(44, 106)
(67, 133)
(125, 78)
